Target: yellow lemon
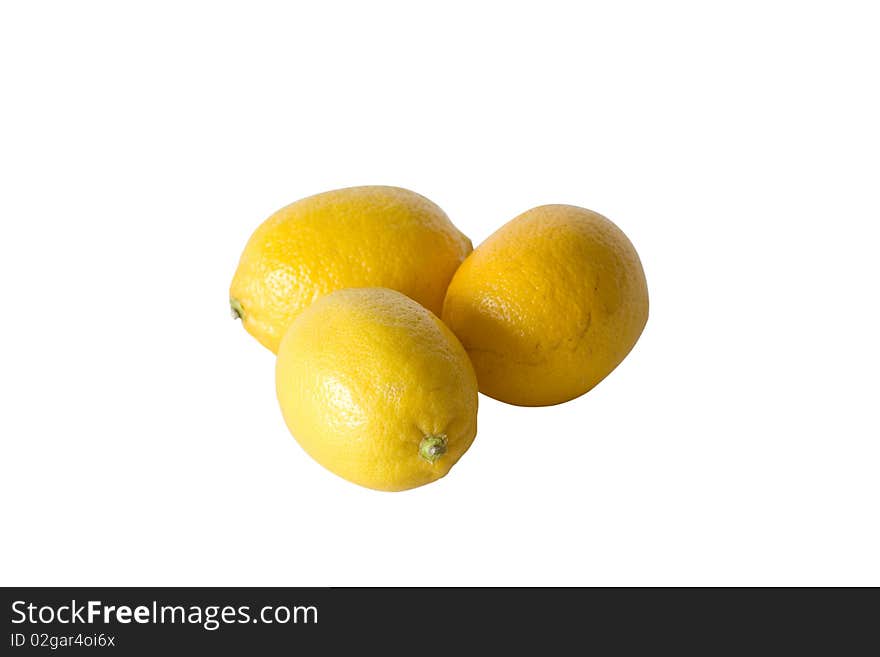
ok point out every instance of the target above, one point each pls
(377, 389)
(548, 305)
(372, 236)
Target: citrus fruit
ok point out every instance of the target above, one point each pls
(548, 305)
(371, 236)
(377, 389)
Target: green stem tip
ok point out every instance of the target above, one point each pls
(235, 307)
(432, 447)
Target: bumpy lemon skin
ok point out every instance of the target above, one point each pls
(548, 305)
(364, 376)
(371, 236)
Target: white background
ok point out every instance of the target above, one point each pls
(737, 144)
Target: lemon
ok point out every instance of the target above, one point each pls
(377, 389)
(548, 305)
(371, 236)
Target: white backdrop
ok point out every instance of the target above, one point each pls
(140, 144)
